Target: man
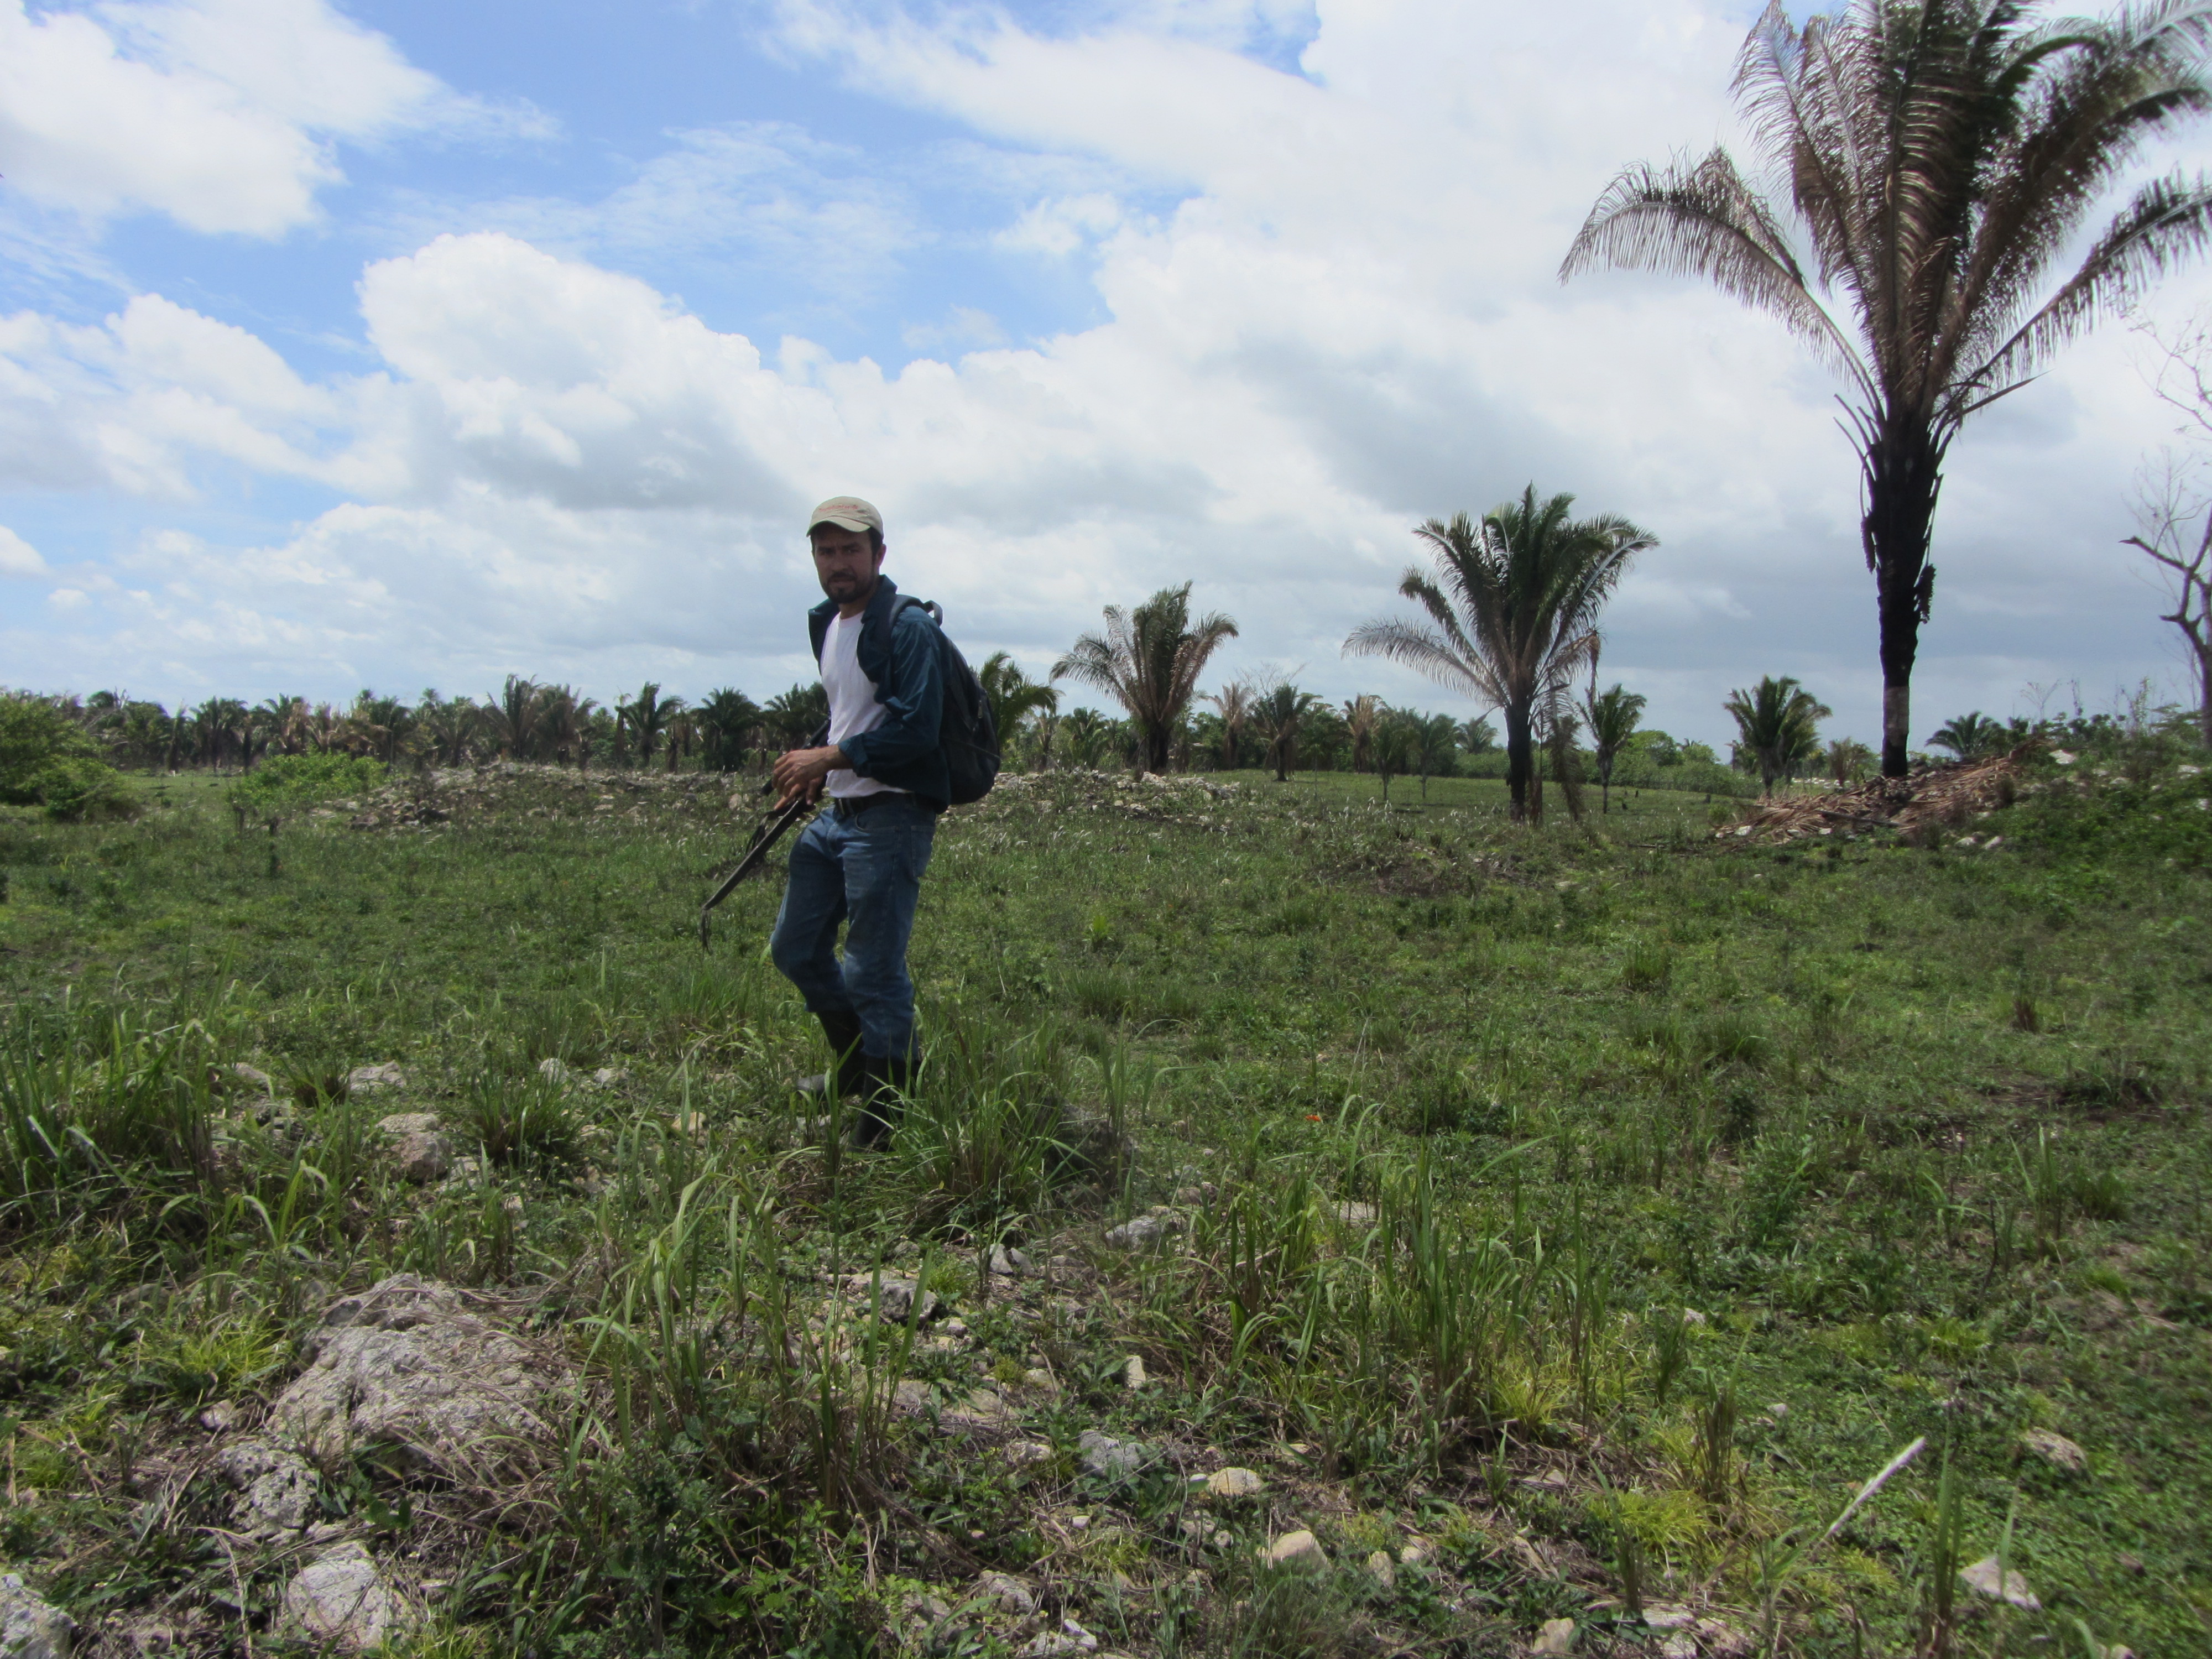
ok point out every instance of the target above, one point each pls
(862, 862)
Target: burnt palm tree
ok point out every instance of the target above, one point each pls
(1513, 604)
(1940, 157)
(1013, 695)
(1777, 725)
(1149, 660)
(1613, 716)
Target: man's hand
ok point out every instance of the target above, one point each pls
(799, 773)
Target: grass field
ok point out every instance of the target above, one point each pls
(1577, 1215)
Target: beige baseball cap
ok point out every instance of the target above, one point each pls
(846, 513)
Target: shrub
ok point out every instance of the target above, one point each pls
(47, 760)
(285, 783)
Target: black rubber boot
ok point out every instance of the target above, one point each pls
(888, 1083)
(848, 1065)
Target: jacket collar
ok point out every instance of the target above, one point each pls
(886, 590)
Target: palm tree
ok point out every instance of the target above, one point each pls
(515, 717)
(1149, 660)
(727, 720)
(1013, 695)
(1776, 724)
(1477, 736)
(1234, 703)
(563, 719)
(1972, 736)
(1393, 746)
(1280, 711)
(1847, 760)
(448, 724)
(1514, 602)
(794, 716)
(1941, 156)
(1436, 745)
(1361, 715)
(1612, 719)
(647, 716)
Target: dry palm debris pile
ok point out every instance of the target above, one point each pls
(1916, 807)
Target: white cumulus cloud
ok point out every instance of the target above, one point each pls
(17, 556)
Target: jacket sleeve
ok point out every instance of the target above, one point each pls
(913, 701)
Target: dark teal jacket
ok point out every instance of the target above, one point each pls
(900, 654)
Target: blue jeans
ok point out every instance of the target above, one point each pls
(865, 870)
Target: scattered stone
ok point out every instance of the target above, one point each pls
(1716, 1640)
(1299, 1549)
(1678, 1644)
(276, 1487)
(1986, 1577)
(1069, 1639)
(982, 1408)
(1132, 1371)
(422, 1159)
(1014, 1597)
(31, 1628)
(400, 1125)
(1554, 1636)
(1356, 1215)
(1414, 1555)
(1021, 1453)
(1040, 1379)
(341, 1598)
(553, 1070)
(1009, 1264)
(1111, 1459)
(364, 1079)
(2054, 1449)
(1233, 1482)
(1143, 1232)
(894, 1296)
(1383, 1569)
(220, 1417)
(1659, 1616)
(611, 1076)
(252, 1076)
(407, 1364)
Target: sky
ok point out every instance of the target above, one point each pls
(407, 345)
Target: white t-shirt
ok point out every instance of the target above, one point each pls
(853, 705)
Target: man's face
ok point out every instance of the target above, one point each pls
(844, 563)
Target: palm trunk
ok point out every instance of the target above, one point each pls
(1157, 740)
(1904, 473)
(1519, 759)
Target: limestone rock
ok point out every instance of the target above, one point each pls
(1233, 1482)
(1299, 1549)
(553, 1070)
(1356, 1215)
(1554, 1636)
(611, 1076)
(362, 1080)
(982, 1409)
(220, 1417)
(1383, 1569)
(407, 1362)
(1111, 1459)
(31, 1628)
(1071, 1638)
(422, 1159)
(1143, 1232)
(1007, 1263)
(1132, 1371)
(275, 1486)
(1014, 1597)
(341, 1598)
(894, 1297)
(1986, 1577)
(2054, 1449)
(1040, 1379)
(400, 1125)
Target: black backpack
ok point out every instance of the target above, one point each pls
(966, 731)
